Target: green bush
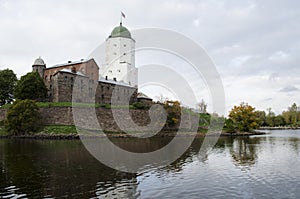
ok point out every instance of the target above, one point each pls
(23, 118)
(139, 105)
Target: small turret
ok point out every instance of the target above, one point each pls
(39, 66)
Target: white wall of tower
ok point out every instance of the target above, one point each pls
(120, 60)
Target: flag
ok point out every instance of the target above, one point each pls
(123, 15)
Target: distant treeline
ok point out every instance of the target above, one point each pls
(290, 117)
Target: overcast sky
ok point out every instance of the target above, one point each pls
(254, 44)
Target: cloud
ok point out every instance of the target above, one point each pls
(255, 44)
(268, 99)
(289, 89)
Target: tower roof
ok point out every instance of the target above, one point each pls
(39, 62)
(120, 31)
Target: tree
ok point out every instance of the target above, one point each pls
(173, 109)
(202, 106)
(23, 117)
(279, 120)
(229, 126)
(161, 99)
(31, 86)
(291, 116)
(270, 117)
(8, 81)
(244, 118)
(262, 117)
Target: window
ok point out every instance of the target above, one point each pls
(124, 45)
(115, 45)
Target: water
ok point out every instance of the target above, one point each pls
(257, 167)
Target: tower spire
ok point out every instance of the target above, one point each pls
(122, 15)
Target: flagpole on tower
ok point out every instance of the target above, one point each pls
(122, 15)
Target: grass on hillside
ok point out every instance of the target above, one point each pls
(70, 104)
(49, 129)
(59, 129)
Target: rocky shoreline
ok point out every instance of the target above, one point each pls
(121, 135)
(279, 128)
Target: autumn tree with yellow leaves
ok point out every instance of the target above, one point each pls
(244, 118)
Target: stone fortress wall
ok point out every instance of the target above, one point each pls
(64, 116)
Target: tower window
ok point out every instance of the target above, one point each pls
(124, 45)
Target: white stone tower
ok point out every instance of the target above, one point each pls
(120, 57)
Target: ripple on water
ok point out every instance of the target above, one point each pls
(10, 192)
(125, 188)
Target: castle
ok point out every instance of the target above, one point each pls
(118, 75)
